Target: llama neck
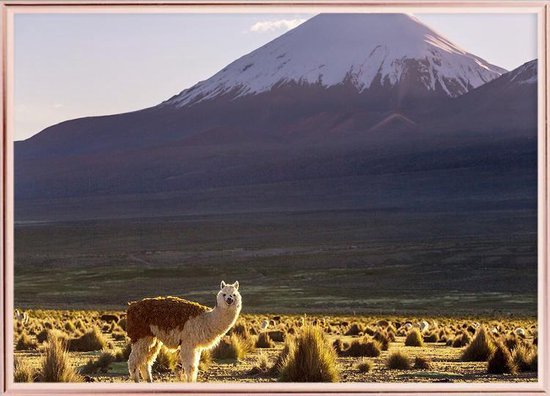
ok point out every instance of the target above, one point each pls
(221, 320)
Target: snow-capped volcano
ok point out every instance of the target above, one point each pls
(364, 50)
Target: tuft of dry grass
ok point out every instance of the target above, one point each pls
(205, 361)
(480, 349)
(264, 341)
(364, 347)
(355, 329)
(525, 358)
(166, 361)
(461, 340)
(56, 365)
(100, 365)
(25, 342)
(432, 337)
(398, 360)
(414, 338)
(501, 361)
(93, 340)
(422, 363)
(281, 358)
(311, 360)
(232, 348)
(364, 366)
(23, 371)
(261, 365)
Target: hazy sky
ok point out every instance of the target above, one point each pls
(75, 65)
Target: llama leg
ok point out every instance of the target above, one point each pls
(138, 357)
(187, 354)
(195, 365)
(151, 357)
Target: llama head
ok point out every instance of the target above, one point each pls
(229, 296)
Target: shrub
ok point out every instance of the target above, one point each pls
(414, 338)
(264, 341)
(501, 361)
(69, 327)
(261, 366)
(92, 340)
(205, 361)
(398, 360)
(461, 340)
(166, 361)
(432, 337)
(364, 366)
(339, 346)
(25, 342)
(231, 347)
(56, 366)
(354, 329)
(277, 335)
(100, 365)
(311, 360)
(282, 357)
(23, 371)
(364, 347)
(524, 357)
(118, 335)
(422, 363)
(512, 342)
(480, 349)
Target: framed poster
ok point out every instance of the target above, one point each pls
(275, 197)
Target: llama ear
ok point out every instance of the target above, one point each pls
(222, 285)
(236, 285)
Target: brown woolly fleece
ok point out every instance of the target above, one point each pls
(165, 312)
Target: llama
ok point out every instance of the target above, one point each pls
(178, 323)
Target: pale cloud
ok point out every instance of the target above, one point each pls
(57, 106)
(269, 26)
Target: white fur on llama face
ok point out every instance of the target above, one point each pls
(197, 334)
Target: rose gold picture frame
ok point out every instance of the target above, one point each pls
(10, 8)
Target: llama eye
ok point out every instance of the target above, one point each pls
(224, 294)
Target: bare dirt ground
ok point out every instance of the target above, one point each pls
(446, 363)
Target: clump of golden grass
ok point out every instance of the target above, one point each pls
(525, 358)
(56, 366)
(232, 347)
(383, 338)
(277, 335)
(422, 363)
(99, 365)
(69, 327)
(461, 340)
(166, 361)
(480, 349)
(264, 341)
(398, 360)
(414, 338)
(364, 347)
(432, 337)
(93, 340)
(281, 358)
(205, 360)
(311, 360)
(261, 365)
(501, 361)
(25, 342)
(364, 366)
(23, 371)
(355, 329)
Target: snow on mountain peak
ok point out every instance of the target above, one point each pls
(363, 49)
